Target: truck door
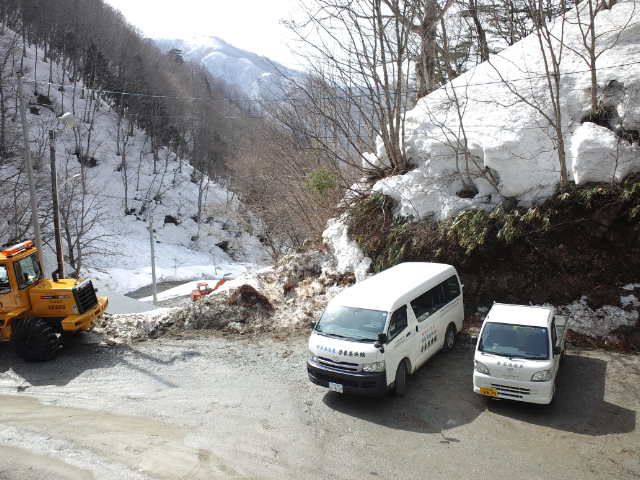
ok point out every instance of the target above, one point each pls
(8, 298)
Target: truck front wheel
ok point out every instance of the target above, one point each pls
(35, 340)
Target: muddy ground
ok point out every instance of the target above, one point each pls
(202, 407)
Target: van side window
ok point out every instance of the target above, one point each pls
(428, 303)
(452, 288)
(436, 298)
(398, 322)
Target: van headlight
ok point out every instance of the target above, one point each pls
(373, 367)
(480, 367)
(312, 357)
(542, 376)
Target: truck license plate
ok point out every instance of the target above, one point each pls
(489, 392)
(335, 387)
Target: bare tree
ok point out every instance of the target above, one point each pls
(596, 40)
(123, 168)
(6, 53)
(422, 18)
(81, 212)
(359, 60)
(550, 39)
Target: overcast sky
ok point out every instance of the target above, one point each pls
(253, 25)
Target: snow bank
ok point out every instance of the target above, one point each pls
(599, 155)
(511, 140)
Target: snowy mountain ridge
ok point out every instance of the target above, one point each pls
(256, 76)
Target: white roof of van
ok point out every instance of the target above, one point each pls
(519, 315)
(383, 290)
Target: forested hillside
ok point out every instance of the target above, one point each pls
(146, 148)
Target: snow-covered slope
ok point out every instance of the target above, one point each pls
(509, 138)
(118, 256)
(512, 139)
(254, 75)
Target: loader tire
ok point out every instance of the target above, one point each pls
(35, 340)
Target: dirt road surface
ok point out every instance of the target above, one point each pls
(209, 407)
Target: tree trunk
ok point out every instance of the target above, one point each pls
(483, 47)
(35, 71)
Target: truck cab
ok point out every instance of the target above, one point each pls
(518, 353)
(375, 334)
(34, 310)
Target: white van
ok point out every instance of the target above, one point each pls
(377, 332)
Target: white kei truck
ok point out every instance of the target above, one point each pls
(376, 333)
(518, 353)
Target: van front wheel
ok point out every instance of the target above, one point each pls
(449, 338)
(401, 379)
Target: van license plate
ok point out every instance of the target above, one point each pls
(489, 392)
(335, 387)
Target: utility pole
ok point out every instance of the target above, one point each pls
(153, 261)
(32, 185)
(56, 208)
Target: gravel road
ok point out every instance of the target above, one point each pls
(210, 407)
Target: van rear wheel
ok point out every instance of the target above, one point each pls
(35, 339)
(449, 338)
(401, 379)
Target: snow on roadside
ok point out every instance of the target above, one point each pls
(599, 322)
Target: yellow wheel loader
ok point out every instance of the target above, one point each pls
(35, 311)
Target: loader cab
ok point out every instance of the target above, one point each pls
(19, 270)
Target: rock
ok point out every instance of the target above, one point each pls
(171, 219)
(247, 296)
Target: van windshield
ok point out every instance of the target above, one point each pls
(519, 341)
(351, 323)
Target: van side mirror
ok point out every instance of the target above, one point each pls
(382, 339)
(557, 350)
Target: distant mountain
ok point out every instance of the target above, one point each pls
(254, 75)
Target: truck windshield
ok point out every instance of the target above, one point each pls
(351, 323)
(5, 286)
(519, 341)
(28, 271)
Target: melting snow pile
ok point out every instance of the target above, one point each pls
(509, 145)
(289, 296)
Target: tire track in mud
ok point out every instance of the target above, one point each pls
(109, 445)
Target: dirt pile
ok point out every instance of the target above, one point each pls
(290, 296)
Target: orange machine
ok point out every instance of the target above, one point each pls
(35, 311)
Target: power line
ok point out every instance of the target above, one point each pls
(288, 99)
